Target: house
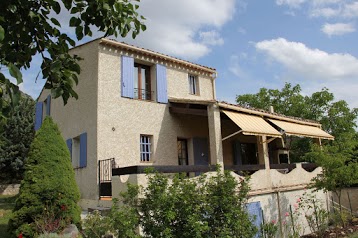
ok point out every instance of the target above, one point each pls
(138, 108)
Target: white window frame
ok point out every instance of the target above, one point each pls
(193, 84)
(145, 148)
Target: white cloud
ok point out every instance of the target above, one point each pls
(211, 38)
(309, 63)
(290, 3)
(350, 10)
(235, 65)
(338, 29)
(173, 27)
(185, 28)
(326, 12)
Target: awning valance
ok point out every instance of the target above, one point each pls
(295, 129)
(252, 125)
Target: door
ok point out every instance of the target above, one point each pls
(201, 152)
(182, 152)
(255, 211)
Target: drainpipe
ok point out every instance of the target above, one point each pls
(214, 76)
(279, 213)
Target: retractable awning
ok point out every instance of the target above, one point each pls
(252, 125)
(295, 129)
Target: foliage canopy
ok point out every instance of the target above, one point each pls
(28, 28)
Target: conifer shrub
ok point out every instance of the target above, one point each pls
(48, 187)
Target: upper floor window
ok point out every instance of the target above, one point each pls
(142, 82)
(193, 84)
(145, 148)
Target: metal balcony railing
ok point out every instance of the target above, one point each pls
(143, 94)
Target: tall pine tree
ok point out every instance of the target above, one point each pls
(15, 140)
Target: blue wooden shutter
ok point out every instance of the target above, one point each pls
(162, 95)
(127, 77)
(255, 211)
(48, 109)
(83, 150)
(69, 146)
(38, 115)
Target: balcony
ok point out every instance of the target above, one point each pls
(143, 94)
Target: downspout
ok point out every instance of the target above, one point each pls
(214, 76)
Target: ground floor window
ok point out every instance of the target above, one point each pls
(145, 148)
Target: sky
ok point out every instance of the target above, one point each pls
(252, 43)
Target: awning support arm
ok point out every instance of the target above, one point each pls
(233, 134)
(269, 140)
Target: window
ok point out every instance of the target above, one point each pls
(145, 148)
(78, 150)
(182, 152)
(193, 84)
(249, 153)
(142, 82)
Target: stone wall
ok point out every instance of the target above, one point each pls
(9, 189)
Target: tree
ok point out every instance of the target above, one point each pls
(49, 189)
(338, 170)
(335, 116)
(28, 28)
(16, 139)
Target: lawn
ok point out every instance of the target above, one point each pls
(6, 205)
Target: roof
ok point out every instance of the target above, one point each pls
(157, 55)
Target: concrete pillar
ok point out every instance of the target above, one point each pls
(263, 154)
(215, 142)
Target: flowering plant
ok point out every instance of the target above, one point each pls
(269, 229)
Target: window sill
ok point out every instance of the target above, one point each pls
(196, 94)
(78, 168)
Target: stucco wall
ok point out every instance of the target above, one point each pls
(121, 120)
(276, 207)
(79, 116)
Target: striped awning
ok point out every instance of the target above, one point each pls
(295, 129)
(252, 125)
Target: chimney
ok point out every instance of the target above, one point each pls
(271, 109)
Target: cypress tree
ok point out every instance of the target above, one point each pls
(49, 187)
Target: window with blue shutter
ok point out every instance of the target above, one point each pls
(127, 77)
(69, 146)
(48, 105)
(255, 212)
(83, 150)
(162, 95)
(38, 115)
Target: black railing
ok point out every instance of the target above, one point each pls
(143, 169)
(143, 94)
(105, 176)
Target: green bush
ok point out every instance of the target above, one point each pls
(48, 187)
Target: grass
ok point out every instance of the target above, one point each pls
(6, 205)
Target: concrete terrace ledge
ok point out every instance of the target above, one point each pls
(262, 180)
